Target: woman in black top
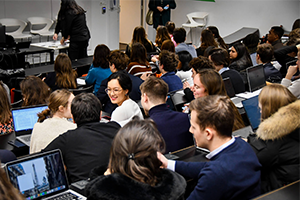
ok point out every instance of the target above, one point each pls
(72, 24)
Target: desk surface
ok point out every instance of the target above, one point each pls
(191, 154)
(239, 35)
(54, 45)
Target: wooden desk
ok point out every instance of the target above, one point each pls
(239, 35)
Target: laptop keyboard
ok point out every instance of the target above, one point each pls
(65, 196)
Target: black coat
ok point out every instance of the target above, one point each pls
(165, 15)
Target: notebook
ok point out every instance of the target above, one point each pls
(231, 93)
(253, 112)
(24, 119)
(40, 176)
(256, 77)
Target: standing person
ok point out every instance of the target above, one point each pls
(72, 24)
(161, 11)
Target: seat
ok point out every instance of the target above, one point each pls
(87, 89)
(195, 20)
(4, 138)
(42, 22)
(12, 24)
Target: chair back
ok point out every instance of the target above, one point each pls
(10, 22)
(4, 138)
(87, 89)
(38, 21)
(198, 18)
(17, 104)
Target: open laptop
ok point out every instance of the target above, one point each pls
(256, 77)
(253, 112)
(40, 176)
(231, 93)
(24, 119)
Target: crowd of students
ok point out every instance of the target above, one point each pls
(128, 149)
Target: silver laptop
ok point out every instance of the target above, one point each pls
(24, 119)
(256, 77)
(231, 93)
(41, 176)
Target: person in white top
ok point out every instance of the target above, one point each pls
(53, 121)
(118, 87)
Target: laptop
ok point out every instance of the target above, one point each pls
(231, 93)
(24, 119)
(256, 77)
(253, 112)
(40, 176)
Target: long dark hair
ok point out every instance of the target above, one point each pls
(139, 54)
(243, 58)
(69, 7)
(5, 114)
(101, 54)
(65, 75)
(220, 40)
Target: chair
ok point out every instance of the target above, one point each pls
(17, 34)
(195, 19)
(41, 21)
(4, 138)
(17, 104)
(88, 89)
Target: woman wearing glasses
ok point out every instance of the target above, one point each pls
(118, 87)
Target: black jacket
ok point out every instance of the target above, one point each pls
(166, 14)
(236, 80)
(282, 57)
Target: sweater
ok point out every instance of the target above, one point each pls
(96, 75)
(173, 81)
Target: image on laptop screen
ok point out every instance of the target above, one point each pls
(39, 175)
(253, 112)
(256, 77)
(24, 118)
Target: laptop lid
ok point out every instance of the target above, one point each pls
(38, 175)
(253, 112)
(256, 77)
(24, 118)
(229, 87)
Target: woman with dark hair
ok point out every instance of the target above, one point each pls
(64, 76)
(118, 88)
(171, 26)
(134, 169)
(53, 121)
(162, 34)
(139, 35)
(217, 36)
(207, 39)
(184, 71)
(71, 23)
(239, 56)
(99, 69)
(6, 122)
(138, 61)
(34, 91)
(276, 141)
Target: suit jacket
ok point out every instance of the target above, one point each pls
(165, 14)
(271, 71)
(236, 80)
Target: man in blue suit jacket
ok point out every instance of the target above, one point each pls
(234, 170)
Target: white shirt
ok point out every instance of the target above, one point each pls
(186, 75)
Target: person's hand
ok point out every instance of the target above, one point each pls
(298, 47)
(144, 76)
(167, 6)
(163, 159)
(154, 58)
(186, 85)
(55, 36)
(159, 8)
(44, 79)
(107, 172)
(291, 71)
(62, 41)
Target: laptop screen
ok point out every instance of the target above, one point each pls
(253, 112)
(229, 87)
(256, 77)
(39, 175)
(24, 118)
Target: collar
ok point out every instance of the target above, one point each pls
(223, 70)
(276, 42)
(157, 108)
(168, 74)
(220, 148)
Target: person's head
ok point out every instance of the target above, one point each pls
(273, 97)
(184, 57)
(168, 45)
(138, 54)
(118, 61)
(294, 37)
(34, 91)
(134, 151)
(170, 26)
(238, 51)
(211, 116)
(65, 75)
(162, 34)
(139, 35)
(86, 107)
(208, 82)
(5, 114)
(59, 105)
(264, 53)
(275, 34)
(216, 34)
(219, 57)
(179, 35)
(199, 63)
(100, 56)
(168, 61)
(207, 39)
(119, 86)
(251, 41)
(296, 24)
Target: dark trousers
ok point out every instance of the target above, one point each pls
(78, 49)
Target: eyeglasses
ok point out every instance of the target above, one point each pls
(115, 91)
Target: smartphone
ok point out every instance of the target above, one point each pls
(166, 8)
(16, 143)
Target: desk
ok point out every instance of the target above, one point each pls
(38, 50)
(239, 35)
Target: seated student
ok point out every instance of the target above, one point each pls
(118, 62)
(173, 126)
(220, 58)
(6, 122)
(53, 121)
(168, 62)
(233, 171)
(264, 56)
(64, 76)
(138, 61)
(274, 37)
(207, 40)
(87, 146)
(134, 170)
(99, 69)
(34, 91)
(162, 34)
(239, 56)
(179, 35)
(276, 142)
(119, 86)
(251, 41)
(217, 37)
(184, 71)
(171, 26)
